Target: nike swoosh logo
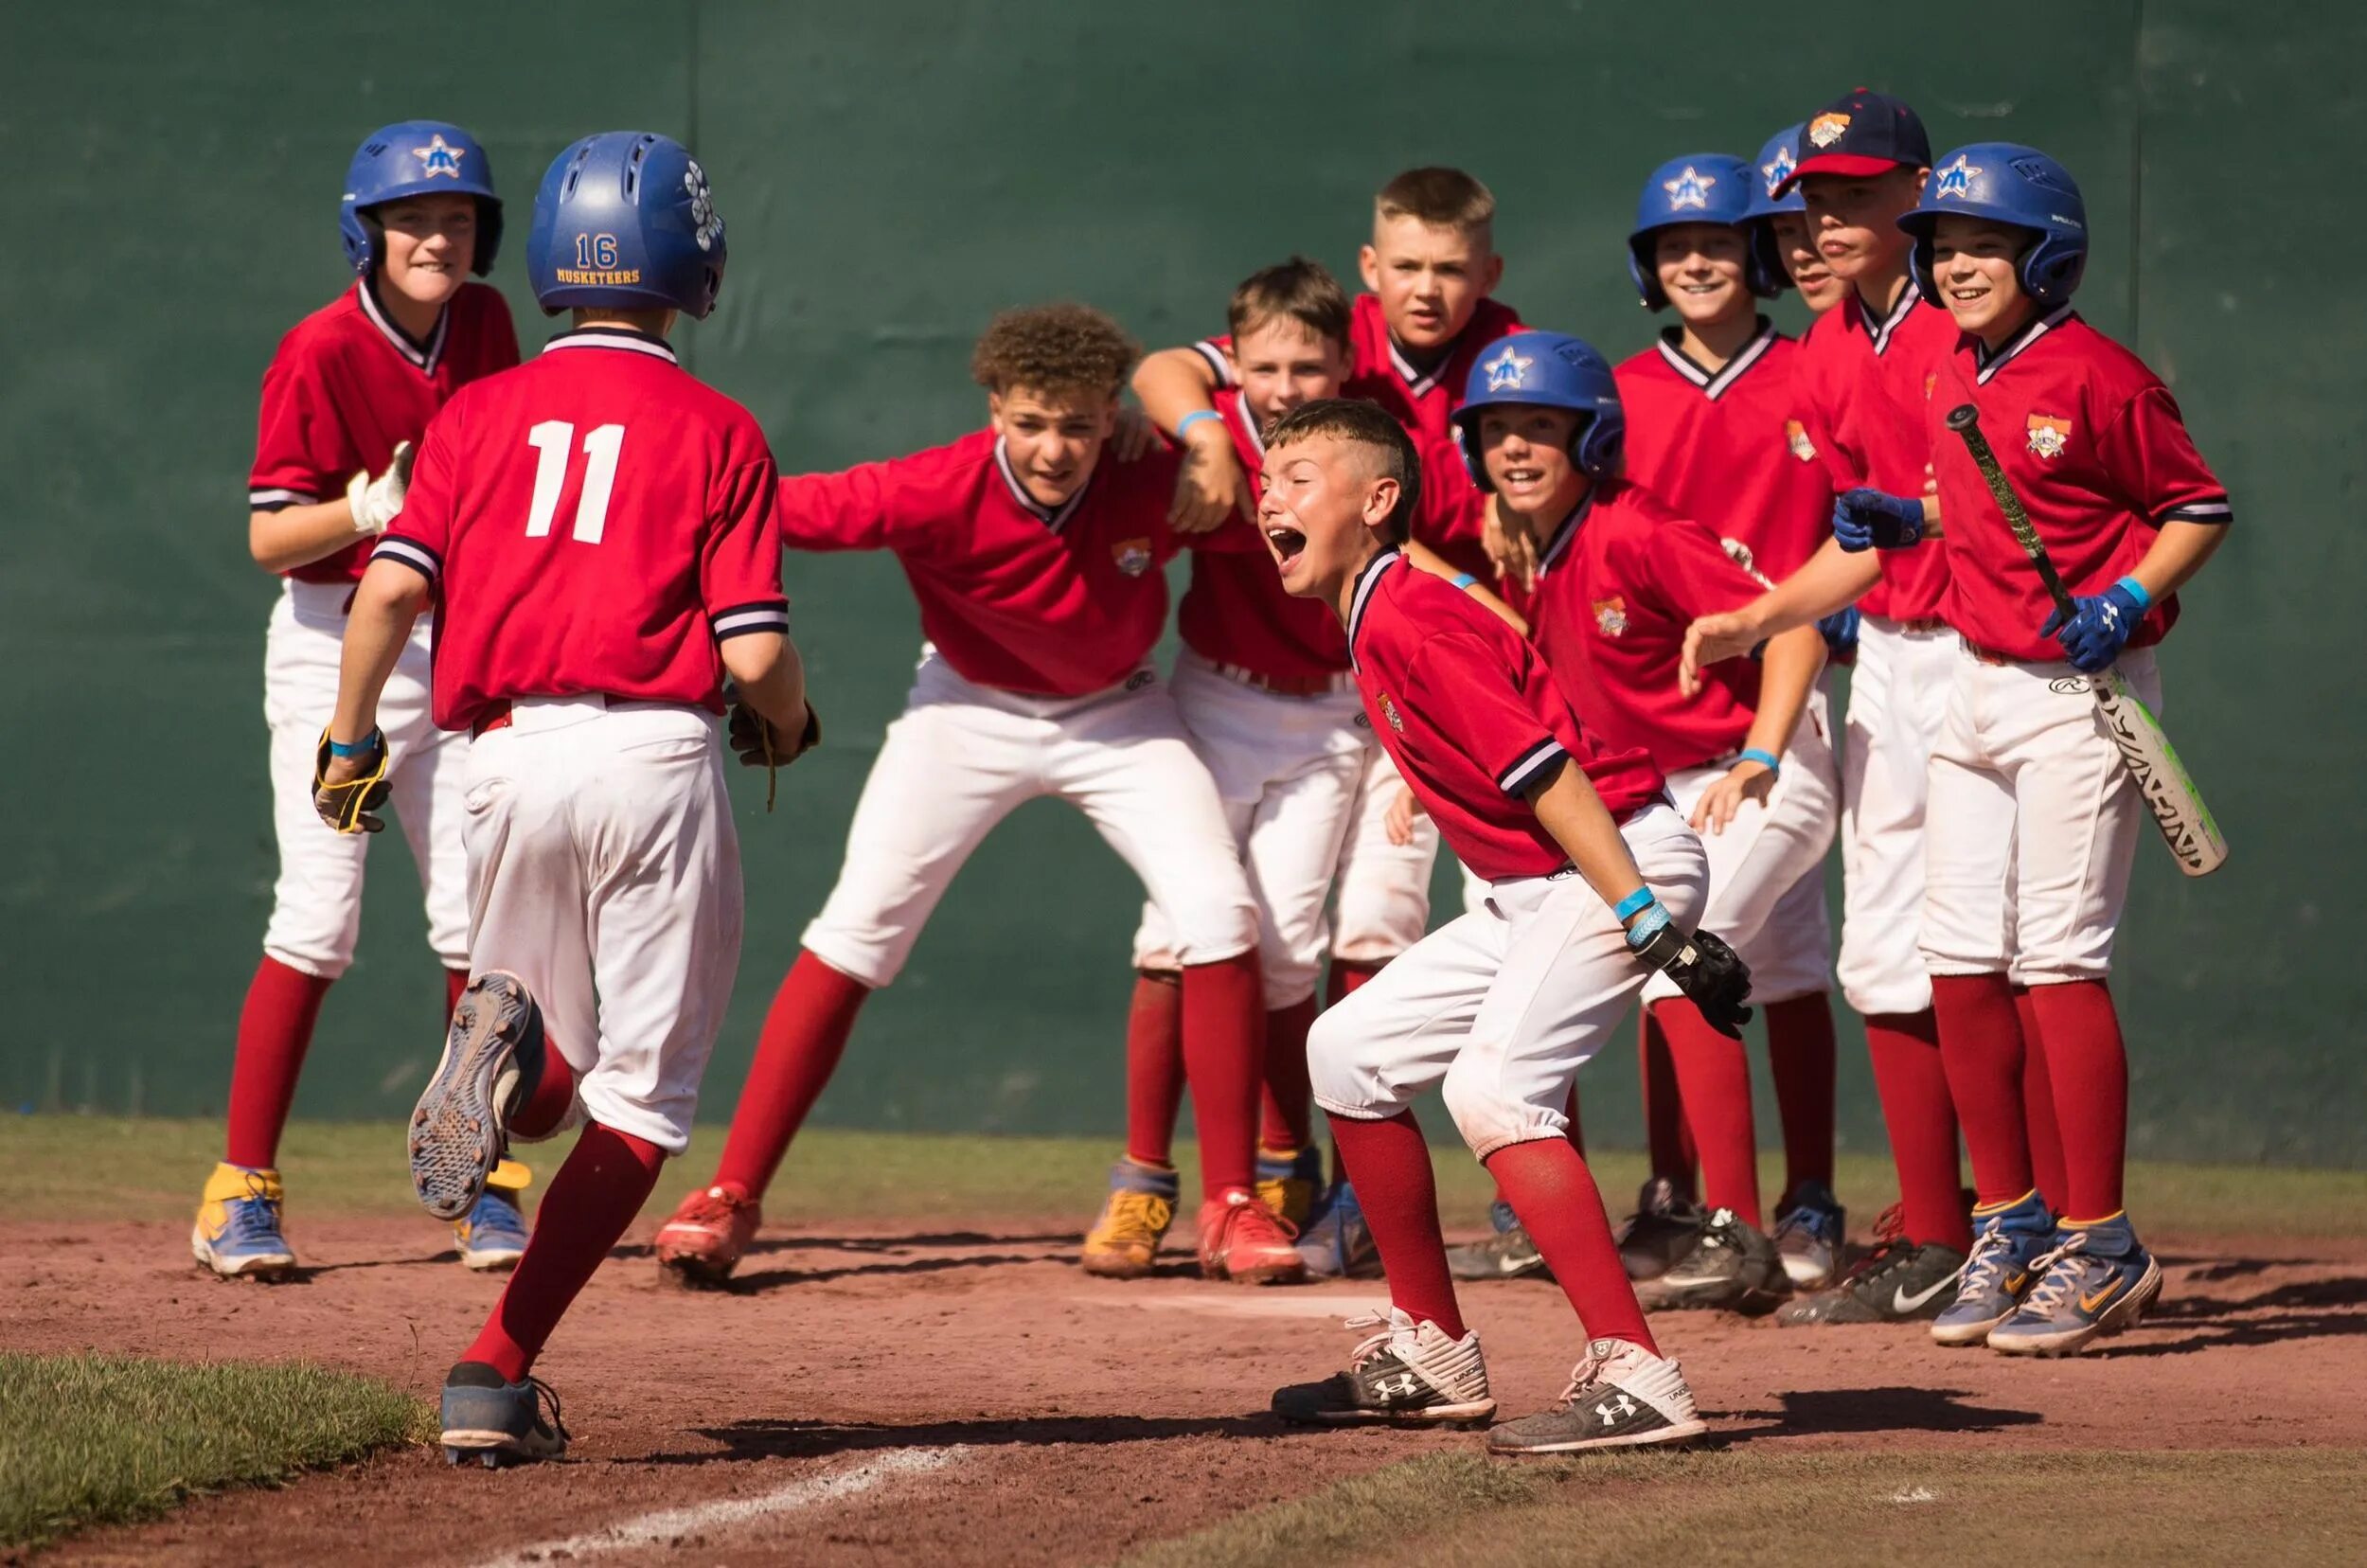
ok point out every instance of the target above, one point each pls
(1902, 1303)
(2090, 1303)
(2013, 1285)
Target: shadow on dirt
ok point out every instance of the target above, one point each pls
(761, 1439)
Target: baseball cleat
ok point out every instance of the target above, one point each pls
(1664, 1227)
(2097, 1280)
(1900, 1281)
(494, 1421)
(1733, 1267)
(1289, 1181)
(1621, 1395)
(461, 1128)
(492, 1234)
(1124, 1242)
(2000, 1270)
(1337, 1243)
(237, 1225)
(701, 1243)
(1811, 1228)
(1404, 1375)
(1240, 1240)
(1506, 1255)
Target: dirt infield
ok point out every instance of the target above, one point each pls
(967, 1396)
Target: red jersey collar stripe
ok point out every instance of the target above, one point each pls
(1418, 381)
(1557, 543)
(1899, 312)
(1374, 570)
(1716, 383)
(2031, 332)
(1049, 517)
(614, 337)
(421, 357)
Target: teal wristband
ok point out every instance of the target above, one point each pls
(362, 747)
(1194, 417)
(2137, 591)
(1764, 758)
(1638, 900)
(1463, 579)
(1648, 925)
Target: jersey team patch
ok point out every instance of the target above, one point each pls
(1796, 438)
(1610, 614)
(1825, 129)
(1132, 556)
(2049, 436)
(1389, 711)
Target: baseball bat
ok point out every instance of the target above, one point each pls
(2169, 790)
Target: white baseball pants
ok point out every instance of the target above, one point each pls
(1384, 903)
(1897, 698)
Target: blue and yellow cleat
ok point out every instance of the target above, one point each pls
(2098, 1280)
(2007, 1245)
(492, 1234)
(494, 1421)
(1337, 1243)
(237, 1225)
(1289, 1181)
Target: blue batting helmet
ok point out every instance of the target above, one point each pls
(1550, 370)
(1776, 161)
(417, 158)
(1706, 188)
(2014, 185)
(624, 221)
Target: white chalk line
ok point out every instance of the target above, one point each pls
(727, 1513)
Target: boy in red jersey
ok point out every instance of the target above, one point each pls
(1620, 575)
(600, 529)
(1037, 565)
(347, 395)
(1592, 877)
(2033, 819)
(1863, 369)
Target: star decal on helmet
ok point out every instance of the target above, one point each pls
(1689, 189)
(440, 157)
(1955, 179)
(1506, 371)
(1775, 173)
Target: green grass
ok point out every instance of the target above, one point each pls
(99, 1167)
(1463, 1510)
(106, 1439)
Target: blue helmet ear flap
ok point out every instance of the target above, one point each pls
(1643, 268)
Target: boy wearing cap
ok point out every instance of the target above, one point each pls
(2033, 819)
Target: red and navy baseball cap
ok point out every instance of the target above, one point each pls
(1860, 133)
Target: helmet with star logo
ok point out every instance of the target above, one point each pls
(1700, 187)
(2007, 182)
(416, 158)
(1547, 370)
(1769, 196)
(624, 221)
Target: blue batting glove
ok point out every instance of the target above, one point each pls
(2099, 626)
(1867, 519)
(1840, 631)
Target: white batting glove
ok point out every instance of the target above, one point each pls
(378, 502)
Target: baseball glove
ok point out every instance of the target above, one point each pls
(1712, 975)
(760, 743)
(348, 807)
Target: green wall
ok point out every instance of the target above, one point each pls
(893, 173)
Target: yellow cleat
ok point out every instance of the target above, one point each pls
(237, 1225)
(1124, 1242)
(492, 1234)
(1288, 1183)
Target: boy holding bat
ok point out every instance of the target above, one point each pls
(2034, 817)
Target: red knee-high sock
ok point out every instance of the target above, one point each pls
(1800, 1052)
(607, 1178)
(1549, 1186)
(1346, 974)
(548, 1098)
(1912, 1085)
(456, 981)
(805, 1034)
(1714, 1075)
(1154, 1067)
(1666, 1137)
(1981, 1048)
(1390, 1164)
(1289, 1100)
(2089, 1066)
(1225, 1046)
(275, 1029)
(2037, 1109)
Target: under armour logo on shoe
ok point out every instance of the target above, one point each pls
(1612, 1411)
(1397, 1386)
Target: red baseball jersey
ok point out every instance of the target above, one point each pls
(1046, 601)
(1236, 610)
(1453, 510)
(1616, 586)
(1730, 448)
(1867, 381)
(1472, 716)
(347, 384)
(2094, 445)
(595, 521)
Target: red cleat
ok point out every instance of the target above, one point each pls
(1241, 1240)
(701, 1243)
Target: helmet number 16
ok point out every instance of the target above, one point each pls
(554, 442)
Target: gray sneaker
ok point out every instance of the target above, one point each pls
(1508, 1255)
(1733, 1267)
(1664, 1227)
(1404, 1374)
(492, 1420)
(1621, 1395)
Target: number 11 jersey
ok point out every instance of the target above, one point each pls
(595, 521)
